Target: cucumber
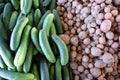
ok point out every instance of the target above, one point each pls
(66, 74)
(20, 16)
(28, 59)
(35, 39)
(52, 29)
(15, 75)
(47, 22)
(6, 54)
(30, 17)
(57, 22)
(2, 64)
(15, 4)
(25, 6)
(45, 46)
(35, 3)
(13, 20)
(1, 7)
(40, 24)
(46, 2)
(37, 16)
(35, 72)
(35, 51)
(58, 70)
(64, 57)
(52, 4)
(44, 72)
(17, 33)
(22, 50)
(42, 8)
(52, 72)
(7, 14)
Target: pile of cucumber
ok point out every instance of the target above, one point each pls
(30, 48)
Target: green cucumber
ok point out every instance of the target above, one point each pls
(7, 14)
(46, 2)
(17, 33)
(42, 8)
(30, 17)
(15, 75)
(22, 50)
(25, 6)
(35, 39)
(45, 46)
(35, 3)
(57, 22)
(37, 16)
(13, 20)
(64, 57)
(58, 70)
(20, 16)
(35, 72)
(1, 7)
(66, 74)
(15, 4)
(47, 22)
(28, 59)
(52, 29)
(44, 72)
(35, 51)
(40, 24)
(52, 72)
(52, 5)
(2, 64)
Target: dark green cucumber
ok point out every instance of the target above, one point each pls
(7, 14)
(13, 20)
(15, 75)
(52, 72)
(30, 17)
(42, 8)
(58, 70)
(46, 2)
(25, 6)
(37, 16)
(6, 54)
(57, 22)
(35, 72)
(35, 3)
(28, 59)
(64, 57)
(22, 50)
(52, 4)
(15, 4)
(1, 7)
(44, 72)
(45, 46)
(65, 72)
(17, 33)
(35, 39)
(40, 24)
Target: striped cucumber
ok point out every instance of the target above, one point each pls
(58, 70)
(35, 72)
(15, 4)
(28, 59)
(22, 50)
(17, 33)
(52, 5)
(46, 2)
(7, 14)
(47, 22)
(45, 46)
(40, 24)
(25, 6)
(35, 3)
(13, 20)
(57, 22)
(44, 72)
(65, 72)
(64, 57)
(15, 75)
(52, 72)
(30, 17)
(35, 39)
(37, 16)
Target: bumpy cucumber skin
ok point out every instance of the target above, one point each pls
(58, 70)
(35, 3)
(64, 57)
(25, 6)
(15, 3)
(22, 50)
(66, 74)
(45, 46)
(7, 14)
(44, 72)
(40, 24)
(35, 39)
(13, 20)
(47, 23)
(15, 75)
(17, 33)
(28, 59)
(57, 22)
